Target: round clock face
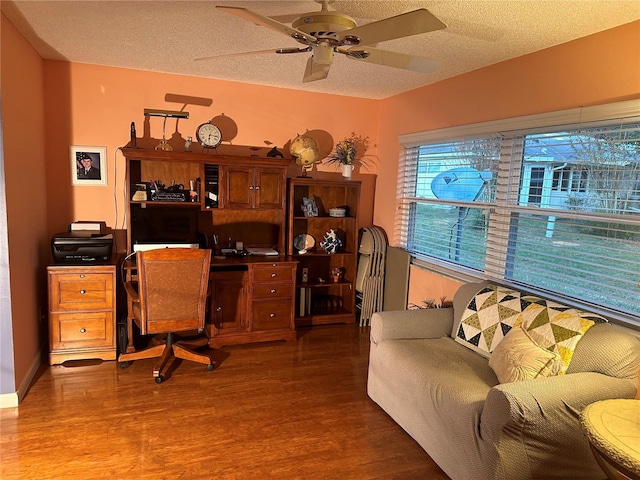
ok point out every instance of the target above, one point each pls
(208, 135)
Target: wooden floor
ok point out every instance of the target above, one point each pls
(277, 410)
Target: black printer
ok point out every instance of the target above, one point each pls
(81, 246)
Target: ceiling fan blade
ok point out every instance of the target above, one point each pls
(257, 52)
(391, 59)
(241, 54)
(267, 22)
(403, 25)
(315, 71)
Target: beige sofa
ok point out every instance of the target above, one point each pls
(449, 399)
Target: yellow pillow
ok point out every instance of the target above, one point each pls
(517, 358)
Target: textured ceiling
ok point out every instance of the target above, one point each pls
(166, 36)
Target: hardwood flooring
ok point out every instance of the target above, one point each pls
(277, 410)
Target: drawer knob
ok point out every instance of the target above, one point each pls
(218, 309)
(83, 330)
(251, 187)
(274, 275)
(258, 187)
(273, 290)
(83, 292)
(82, 275)
(272, 315)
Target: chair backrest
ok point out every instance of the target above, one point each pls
(172, 285)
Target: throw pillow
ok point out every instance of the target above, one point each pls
(517, 358)
(556, 327)
(489, 316)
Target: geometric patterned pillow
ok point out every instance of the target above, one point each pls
(489, 316)
(556, 327)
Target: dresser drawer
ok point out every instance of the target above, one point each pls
(271, 315)
(275, 290)
(75, 330)
(80, 291)
(272, 273)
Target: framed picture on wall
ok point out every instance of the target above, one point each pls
(88, 165)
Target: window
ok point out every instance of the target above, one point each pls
(552, 207)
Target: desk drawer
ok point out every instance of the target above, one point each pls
(74, 330)
(275, 290)
(80, 291)
(272, 273)
(271, 315)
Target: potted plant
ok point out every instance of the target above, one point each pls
(345, 155)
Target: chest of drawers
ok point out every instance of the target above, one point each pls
(82, 311)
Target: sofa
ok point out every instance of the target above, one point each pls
(445, 394)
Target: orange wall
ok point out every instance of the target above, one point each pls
(93, 105)
(26, 184)
(597, 69)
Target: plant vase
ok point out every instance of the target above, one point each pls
(346, 170)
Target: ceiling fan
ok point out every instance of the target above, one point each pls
(327, 32)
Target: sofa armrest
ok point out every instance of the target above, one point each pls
(546, 408)
(421, 323)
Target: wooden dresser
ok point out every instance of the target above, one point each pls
(82, 312)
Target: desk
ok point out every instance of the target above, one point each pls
(252, 300)
(613, 430)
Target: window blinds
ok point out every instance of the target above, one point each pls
(554, 209)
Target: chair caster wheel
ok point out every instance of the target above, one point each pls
(124, 364)
(210, 367)
(159, 379)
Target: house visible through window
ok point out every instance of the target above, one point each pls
(551, 209)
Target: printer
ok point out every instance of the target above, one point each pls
(80, 245)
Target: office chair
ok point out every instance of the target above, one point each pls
(171, 296)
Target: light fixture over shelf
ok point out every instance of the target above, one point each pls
(151, 112)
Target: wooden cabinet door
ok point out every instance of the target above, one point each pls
(229, 305)
(238, 187)
(269, 188)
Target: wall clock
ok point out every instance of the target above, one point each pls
(208, 135)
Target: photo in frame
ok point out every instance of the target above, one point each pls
(88, 165)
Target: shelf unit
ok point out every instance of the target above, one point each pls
(319, 299)
(242, 198)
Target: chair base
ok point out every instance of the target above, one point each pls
(166, 350)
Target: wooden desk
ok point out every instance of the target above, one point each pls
(613, 430)
(252, 300)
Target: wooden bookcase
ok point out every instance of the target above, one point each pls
(320, 299)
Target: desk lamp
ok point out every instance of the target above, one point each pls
(150, 112)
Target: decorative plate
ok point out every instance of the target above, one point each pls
(303, 242)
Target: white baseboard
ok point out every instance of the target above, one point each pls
(10, 400)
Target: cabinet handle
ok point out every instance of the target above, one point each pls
(82, 292)
(258, 187)
(273, 290)
(83, 330)
(82, 275)
(251, 187)
(274, 275)
(272, 315)
(218, 309)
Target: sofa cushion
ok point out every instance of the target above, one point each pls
(556, 327)
(489, 316)
(517, 358)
